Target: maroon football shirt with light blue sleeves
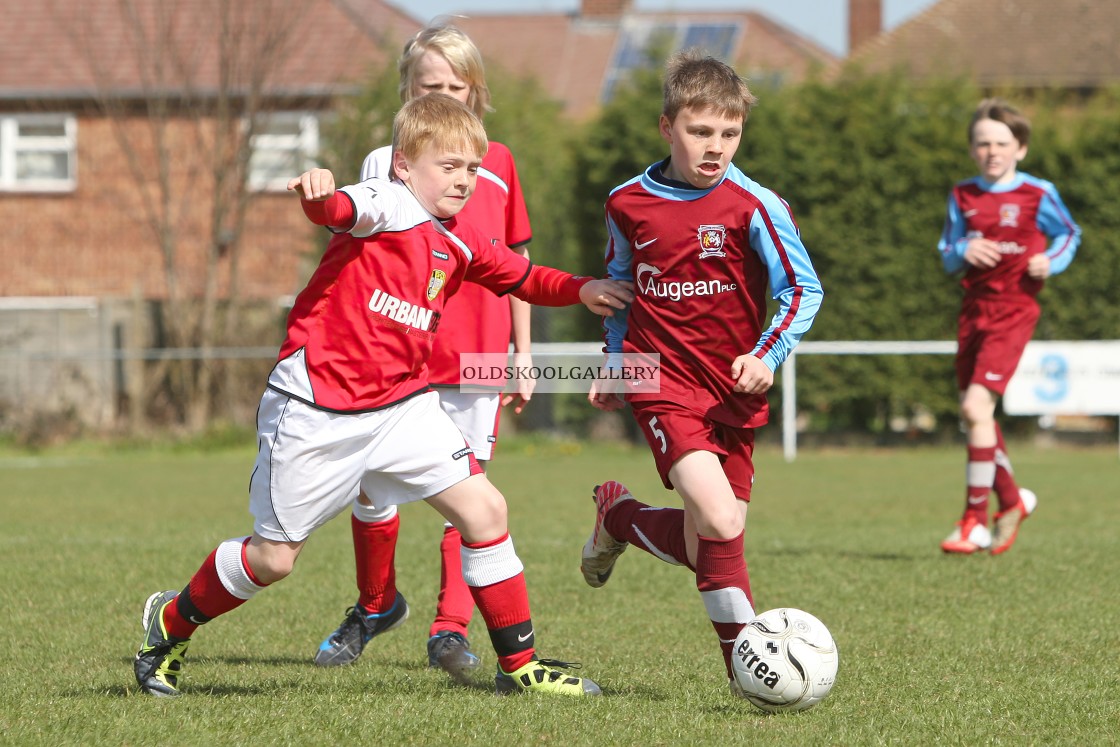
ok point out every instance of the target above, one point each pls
(1025, 217)
(703, 262)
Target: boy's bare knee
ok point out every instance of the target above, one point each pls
(273, 570)
(974, 412)
(271, 561)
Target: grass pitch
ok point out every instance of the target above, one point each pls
(1018, 649)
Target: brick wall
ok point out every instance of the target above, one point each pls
(94, 241)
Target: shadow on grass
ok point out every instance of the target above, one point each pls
(269, 689)
(478, 681)
(243, 661)
(803, 552)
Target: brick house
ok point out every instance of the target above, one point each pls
(1071, 44)
(87, 95)
(579, 57)
(84, 280)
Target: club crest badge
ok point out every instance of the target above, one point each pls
(711, 241)
(435, 283)
(1009, 215)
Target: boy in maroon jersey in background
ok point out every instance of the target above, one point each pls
(1008, 231)
(704, 245)
(348, 403)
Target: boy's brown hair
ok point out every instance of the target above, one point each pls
(999, 110)
(697, 81)
(440, 122)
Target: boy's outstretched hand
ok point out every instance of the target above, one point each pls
(604, 296)
(315, 185)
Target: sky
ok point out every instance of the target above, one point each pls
(823, 21)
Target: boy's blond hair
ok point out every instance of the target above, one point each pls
(438, 122)
(999, 110)
(461, 54)
(697, 81)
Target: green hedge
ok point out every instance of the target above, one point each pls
(866, 162)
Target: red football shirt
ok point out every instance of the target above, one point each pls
(360, 334)
(477, 320)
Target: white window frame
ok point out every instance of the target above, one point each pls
(304, 144)
(12, 144)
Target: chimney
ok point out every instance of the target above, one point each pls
(604, 9)
(865, 22)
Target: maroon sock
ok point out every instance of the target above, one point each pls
(725, 587)
(1007, 490)
(981, 474)
(658, 531)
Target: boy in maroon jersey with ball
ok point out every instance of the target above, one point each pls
(704, 245)
(348, 405)
(1008, 231)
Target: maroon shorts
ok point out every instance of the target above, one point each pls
(991, 337)
(672, 431)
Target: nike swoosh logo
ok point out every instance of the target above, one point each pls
(976, 501)
(643, 245)
(523, 638)
(196, 622)
(970, 213)
(992, 377)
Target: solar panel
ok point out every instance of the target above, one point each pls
(640, 39)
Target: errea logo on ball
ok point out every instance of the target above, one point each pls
(646, 277)
(753, 663)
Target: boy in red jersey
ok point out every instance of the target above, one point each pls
(348, 403)
(1008, 231)
(704, 245)
(442, 59)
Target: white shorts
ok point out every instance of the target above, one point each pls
(476, 416)
(311, 463)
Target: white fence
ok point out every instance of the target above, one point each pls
(1054, 377)
(852, 347)
(1073, 378)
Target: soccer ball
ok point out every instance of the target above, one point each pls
(784, 660)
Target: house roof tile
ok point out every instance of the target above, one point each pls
(73, 48)
(76, 48)
(1073, 43)
(571, 55)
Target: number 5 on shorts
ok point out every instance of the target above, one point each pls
(658, 434)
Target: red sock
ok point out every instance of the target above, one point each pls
(725, 587)
(375, 548)
(981, 473)
(504, 602)
(1007, 489)
(455, 604)
(206, 597)
(658, 531)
